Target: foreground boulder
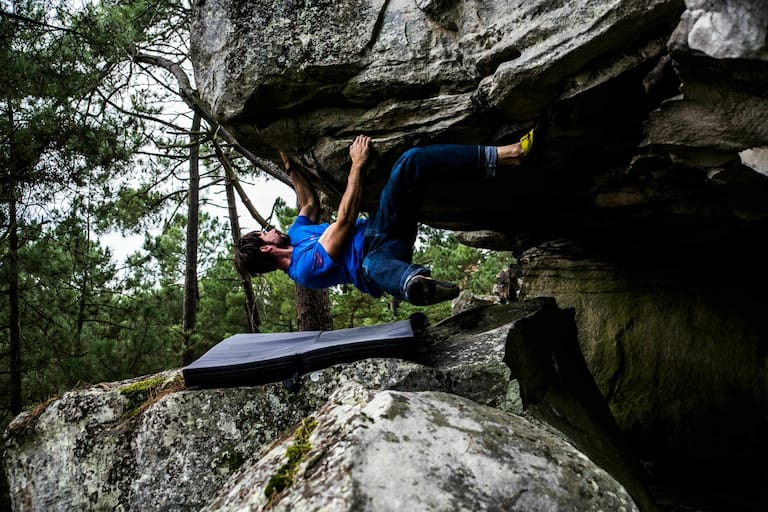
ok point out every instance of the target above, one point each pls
(420, 451)
(150, 444)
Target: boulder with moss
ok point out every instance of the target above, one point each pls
(392, 450)
(150, 444)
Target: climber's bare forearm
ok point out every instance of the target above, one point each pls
(335, 237)
(306, 197)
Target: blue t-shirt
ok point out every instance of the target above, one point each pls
(312, 267)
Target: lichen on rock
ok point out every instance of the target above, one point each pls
(446, 452)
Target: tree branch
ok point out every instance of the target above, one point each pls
(17, 17)
(232, 177)
(140, 115)
(192, 99)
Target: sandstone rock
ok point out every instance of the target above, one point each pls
(309, 78)
(730, 29)
(104, 448)
(756, 158)
(645, 103)
(424, 451)
(149, 444)
(672, 346)
(467, 300)
(86, 452)
(486, 239)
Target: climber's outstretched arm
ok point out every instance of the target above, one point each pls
(335, 238)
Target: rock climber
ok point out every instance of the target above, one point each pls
(374, 254)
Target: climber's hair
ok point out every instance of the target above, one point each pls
(249, 260)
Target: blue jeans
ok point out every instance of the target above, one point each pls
(391, 230)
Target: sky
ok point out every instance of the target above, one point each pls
(262, 193)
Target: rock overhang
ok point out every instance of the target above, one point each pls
(625, 151)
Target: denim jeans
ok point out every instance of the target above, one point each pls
(390, 234)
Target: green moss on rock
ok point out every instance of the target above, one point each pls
(398, 407)
(284, 476)
(139, 393)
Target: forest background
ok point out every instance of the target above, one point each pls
(102, 132)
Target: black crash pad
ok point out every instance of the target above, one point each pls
(253, 359)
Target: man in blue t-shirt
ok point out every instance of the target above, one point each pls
(375, 254)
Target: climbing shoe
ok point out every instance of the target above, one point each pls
(531, 141)
(424, 291)
(526, 142)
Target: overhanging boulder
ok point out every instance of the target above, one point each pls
(627, 157)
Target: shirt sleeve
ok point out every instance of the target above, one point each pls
(311, 266)
(300, 221)
(321, 261)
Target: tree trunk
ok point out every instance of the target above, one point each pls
(14, 321)
(251, 311)
(14, 317)
(193, 220)
(313, 307)
(83, 299)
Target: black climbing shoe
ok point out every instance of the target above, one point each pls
(424, 291)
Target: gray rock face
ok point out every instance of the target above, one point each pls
(372, 435)
(103, 448)
(278, 54)
(649, 105)
(85, 453)
(425, 451)
(673, 350)
(730, 29)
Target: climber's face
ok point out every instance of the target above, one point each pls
(276, 238)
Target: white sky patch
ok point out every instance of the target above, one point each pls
(262, 192)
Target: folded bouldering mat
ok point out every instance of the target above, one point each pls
(253, 359)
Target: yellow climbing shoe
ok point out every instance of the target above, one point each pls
(526, 142)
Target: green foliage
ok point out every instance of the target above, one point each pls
(68, 160)
(472, 269)
(276, 299)
(139, 206)
(286, 215)
(80, 325)
(350, 308)
(221, 311)
(165, 257)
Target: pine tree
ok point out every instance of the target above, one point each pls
(54, 148)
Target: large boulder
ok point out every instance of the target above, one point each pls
(150, 444)
(650, 103)
(420, 451)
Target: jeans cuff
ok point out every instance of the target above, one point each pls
(487, 159)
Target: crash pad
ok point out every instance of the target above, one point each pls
(260, 358)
